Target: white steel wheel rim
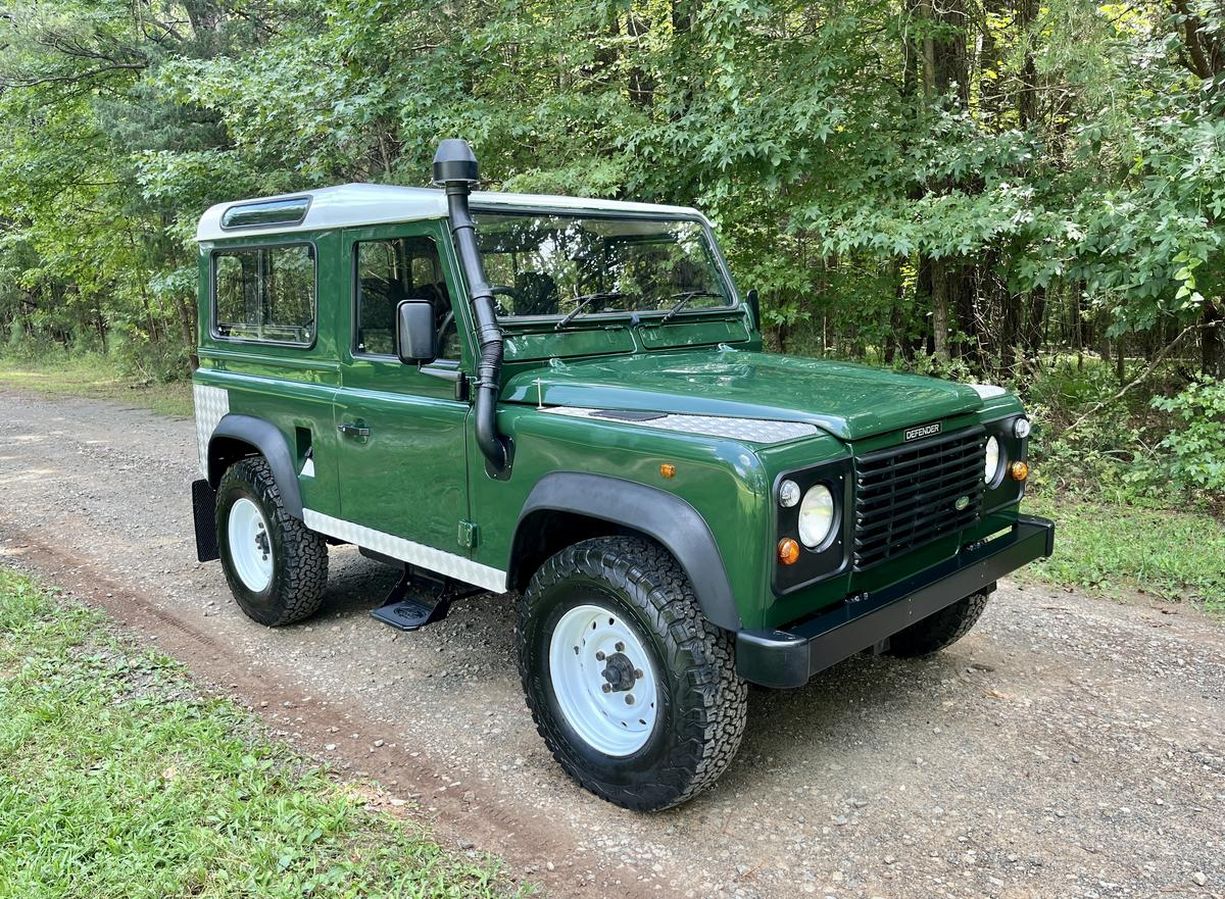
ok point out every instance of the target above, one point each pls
(250, 545)
(583, 646)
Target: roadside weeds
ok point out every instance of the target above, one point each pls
(119, 777)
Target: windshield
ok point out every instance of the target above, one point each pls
(574, 266)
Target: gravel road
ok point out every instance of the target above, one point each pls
(1069, 746)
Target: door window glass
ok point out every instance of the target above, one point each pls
(389, 272)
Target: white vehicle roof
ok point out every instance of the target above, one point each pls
(354, 205)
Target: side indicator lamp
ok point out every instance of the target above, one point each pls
(667, 470)
(788, 551)
(1019, 471)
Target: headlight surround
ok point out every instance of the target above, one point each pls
(817, 516)
(991, 466)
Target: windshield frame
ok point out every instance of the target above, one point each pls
(734, 306)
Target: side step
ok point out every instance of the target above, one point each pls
(415, 602)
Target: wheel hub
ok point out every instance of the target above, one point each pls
(619, 672)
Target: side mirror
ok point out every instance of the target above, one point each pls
(755, 306)
(415, 332)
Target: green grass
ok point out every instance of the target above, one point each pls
(117, 779)
(94, 376)
(1115, 548)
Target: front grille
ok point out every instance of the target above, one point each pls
(906, 496)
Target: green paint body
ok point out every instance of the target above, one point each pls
(420, 476)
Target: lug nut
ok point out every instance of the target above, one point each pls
(637, 672)
(620, 647)
(607, 688)
(629, 698)
(599, 656)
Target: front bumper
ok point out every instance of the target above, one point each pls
(788, 658)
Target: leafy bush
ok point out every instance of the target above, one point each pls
(1192, 454)
(152, 361)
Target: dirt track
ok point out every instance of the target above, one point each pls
(1068, 747)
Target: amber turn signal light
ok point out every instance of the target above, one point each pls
(788, 551)
(1019, 471)
(667, 470)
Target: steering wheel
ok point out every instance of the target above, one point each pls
(440, 341)
(506, 291)
(448, 320)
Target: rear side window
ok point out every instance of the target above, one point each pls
(265, 293)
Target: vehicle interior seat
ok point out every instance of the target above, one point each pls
(536, 294)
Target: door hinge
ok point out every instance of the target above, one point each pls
(467, 534)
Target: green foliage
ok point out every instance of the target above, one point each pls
(116, 779)
(853, 173)
(1193, 454)
(57, 372)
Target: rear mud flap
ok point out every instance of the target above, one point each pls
(204, 515)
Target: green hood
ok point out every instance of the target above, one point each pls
(849, 401)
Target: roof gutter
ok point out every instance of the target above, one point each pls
(455, 169)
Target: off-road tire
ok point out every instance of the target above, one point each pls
(702, 702)
(942, 629)
(300, 556)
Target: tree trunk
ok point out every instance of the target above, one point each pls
(1212, 340)
(945, 78)
(1034, 325)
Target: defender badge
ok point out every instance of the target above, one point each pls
(962, 503)
(922, 431)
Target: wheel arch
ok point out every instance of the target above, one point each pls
(238, 436)
(566, 507)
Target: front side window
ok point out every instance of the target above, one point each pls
(389, 272)
(265, 293)
(553, 264)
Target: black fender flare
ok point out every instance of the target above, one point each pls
(271, 444)
(663, 516)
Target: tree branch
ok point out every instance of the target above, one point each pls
(1139, 379)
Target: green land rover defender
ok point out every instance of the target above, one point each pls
(567, 400)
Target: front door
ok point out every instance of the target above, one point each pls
(402, 470)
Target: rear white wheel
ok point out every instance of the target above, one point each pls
(250, 546)
(604, 679)
(276, 567)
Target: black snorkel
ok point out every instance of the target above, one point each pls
(456, 171)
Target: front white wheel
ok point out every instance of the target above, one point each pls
(604, 679)
(633, 690)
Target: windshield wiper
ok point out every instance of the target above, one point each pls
(584, 301)
(685, 298)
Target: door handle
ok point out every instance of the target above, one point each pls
(353, 430)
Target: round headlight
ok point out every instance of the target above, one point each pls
(992, 466)
(816, 516)
(788, 494)
(1021, 428)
